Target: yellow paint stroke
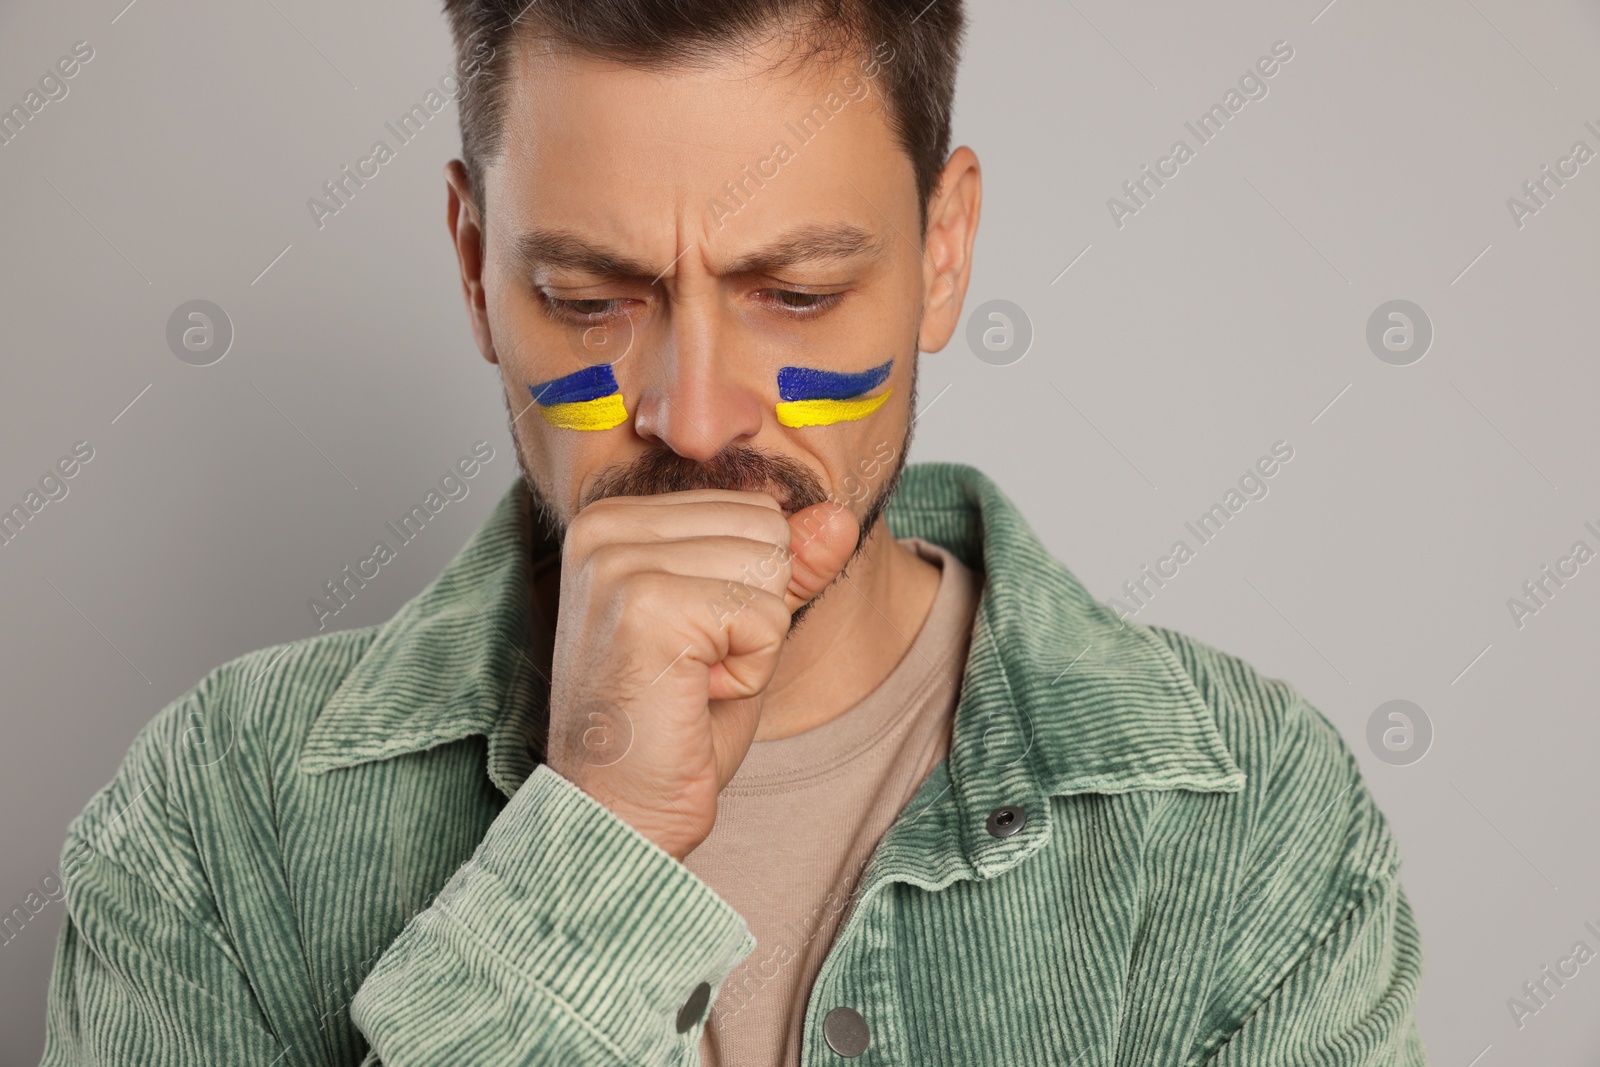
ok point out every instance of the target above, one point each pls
(828, 412)
(601, 413)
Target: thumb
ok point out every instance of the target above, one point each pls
(821, 539)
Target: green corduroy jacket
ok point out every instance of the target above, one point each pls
(344, 851)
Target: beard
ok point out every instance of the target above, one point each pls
(740, 467)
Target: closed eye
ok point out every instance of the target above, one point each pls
(793, 303)
(799, 304)
(582, 312)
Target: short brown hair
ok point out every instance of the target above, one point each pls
(919, 41)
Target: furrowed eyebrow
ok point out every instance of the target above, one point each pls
(561, 250)
(806, 244)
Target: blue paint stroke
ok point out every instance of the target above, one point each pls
(804, 383)
(590, 383)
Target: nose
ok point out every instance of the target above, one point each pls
(698, 398)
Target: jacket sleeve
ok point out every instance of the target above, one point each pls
(1323, 960)
(1350, 1003)
(568, 938)
(145, 972)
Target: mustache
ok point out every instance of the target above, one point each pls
(740, 467)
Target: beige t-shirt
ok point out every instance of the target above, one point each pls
(802, 816)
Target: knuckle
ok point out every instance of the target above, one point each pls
(644, 598)
(766, 569)
(775, 528)
(769, 612)
(607, 564)
(583, 533)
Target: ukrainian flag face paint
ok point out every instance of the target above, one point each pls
(586, 400)
(808, 397)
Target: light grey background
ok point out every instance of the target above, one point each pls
(1228, 314)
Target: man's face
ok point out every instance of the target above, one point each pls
(698, 229)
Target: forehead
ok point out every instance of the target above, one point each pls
(598, 146)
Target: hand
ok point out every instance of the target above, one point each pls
(674, 610)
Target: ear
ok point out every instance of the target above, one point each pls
(947, 260)
(466, 233)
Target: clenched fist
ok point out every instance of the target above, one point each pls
(673, 614)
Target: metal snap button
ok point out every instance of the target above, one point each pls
(1003, 822)
(694, 1008)
(846, 1032)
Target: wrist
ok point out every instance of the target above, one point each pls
(670, 830)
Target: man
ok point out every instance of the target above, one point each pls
(701, 751)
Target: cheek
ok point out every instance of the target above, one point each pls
(857, 458)
(546, 365)
(559, 461)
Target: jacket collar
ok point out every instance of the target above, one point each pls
(1059, 696)
(452, 663)
(1088, 702)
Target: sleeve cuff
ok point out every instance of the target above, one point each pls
(567, 930)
